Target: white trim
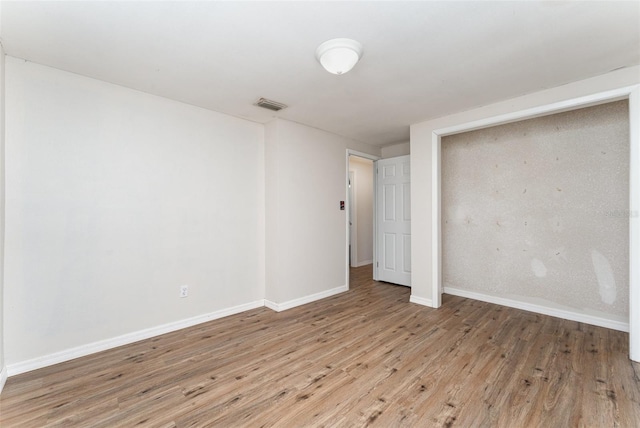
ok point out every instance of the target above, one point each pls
(3, 378)
(91, 348)
(421, 301)
(346, 225)
(375, 222)
(279, 307)
(362, 155)
(271, 305)
(543, 110)
(363, 263)
(540, 309)
(634, 226)
(632, 93)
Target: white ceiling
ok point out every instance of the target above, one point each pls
(421, 59)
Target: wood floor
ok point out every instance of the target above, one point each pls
(365, 357)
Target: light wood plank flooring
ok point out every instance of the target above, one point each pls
(365, 357)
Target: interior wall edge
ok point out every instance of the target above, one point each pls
(126, 339)
(420, 301)
(3, 377)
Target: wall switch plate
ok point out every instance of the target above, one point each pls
(184, 290)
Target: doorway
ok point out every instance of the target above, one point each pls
(360, 212)
(360, 186)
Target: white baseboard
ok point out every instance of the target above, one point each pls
(103, 345)
(3, 378)
(421, 301)
(364, 263)
(91, 348)
(541, 309)
(279, 307)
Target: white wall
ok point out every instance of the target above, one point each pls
(305, 229)
(115, 198)
(394, 150)
(3, 370)
(362, 209)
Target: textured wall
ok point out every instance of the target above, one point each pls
(538, 209)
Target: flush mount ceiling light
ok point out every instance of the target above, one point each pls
(338, 56)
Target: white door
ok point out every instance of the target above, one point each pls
(393, 216)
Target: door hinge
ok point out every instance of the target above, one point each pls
(377, 264)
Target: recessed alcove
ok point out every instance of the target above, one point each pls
(426, 151)
(537, 211)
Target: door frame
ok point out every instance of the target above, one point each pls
(346, 222)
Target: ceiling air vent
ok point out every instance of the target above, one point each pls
(269, 104)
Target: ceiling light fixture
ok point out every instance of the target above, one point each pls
(338, 56)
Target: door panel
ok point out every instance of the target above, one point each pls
(389, 171)
(389, 259)
(394, 220)
(389, 202)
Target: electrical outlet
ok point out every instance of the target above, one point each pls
(184, 290)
